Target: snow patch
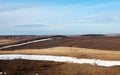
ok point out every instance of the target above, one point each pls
(60, 59)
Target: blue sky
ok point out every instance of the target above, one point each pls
(59, 17)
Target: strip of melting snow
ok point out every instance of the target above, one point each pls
(29, 42)
(60, 59)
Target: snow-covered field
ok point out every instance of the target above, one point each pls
(60, 59)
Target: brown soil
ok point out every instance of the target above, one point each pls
(96, 42)
(27, 67)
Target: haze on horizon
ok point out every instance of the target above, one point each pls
(36, 17)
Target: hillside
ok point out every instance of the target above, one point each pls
(91, 42)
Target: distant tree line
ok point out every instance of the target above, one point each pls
(30, 36)
(15, 36)
(93, 35)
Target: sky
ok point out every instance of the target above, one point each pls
(46, 17)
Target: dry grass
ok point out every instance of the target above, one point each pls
(70, 51)
(26, 67)
(7, 41)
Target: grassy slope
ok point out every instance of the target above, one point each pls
(70, 51)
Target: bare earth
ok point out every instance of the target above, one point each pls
(27, 67)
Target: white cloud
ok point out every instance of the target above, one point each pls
(61, 17)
